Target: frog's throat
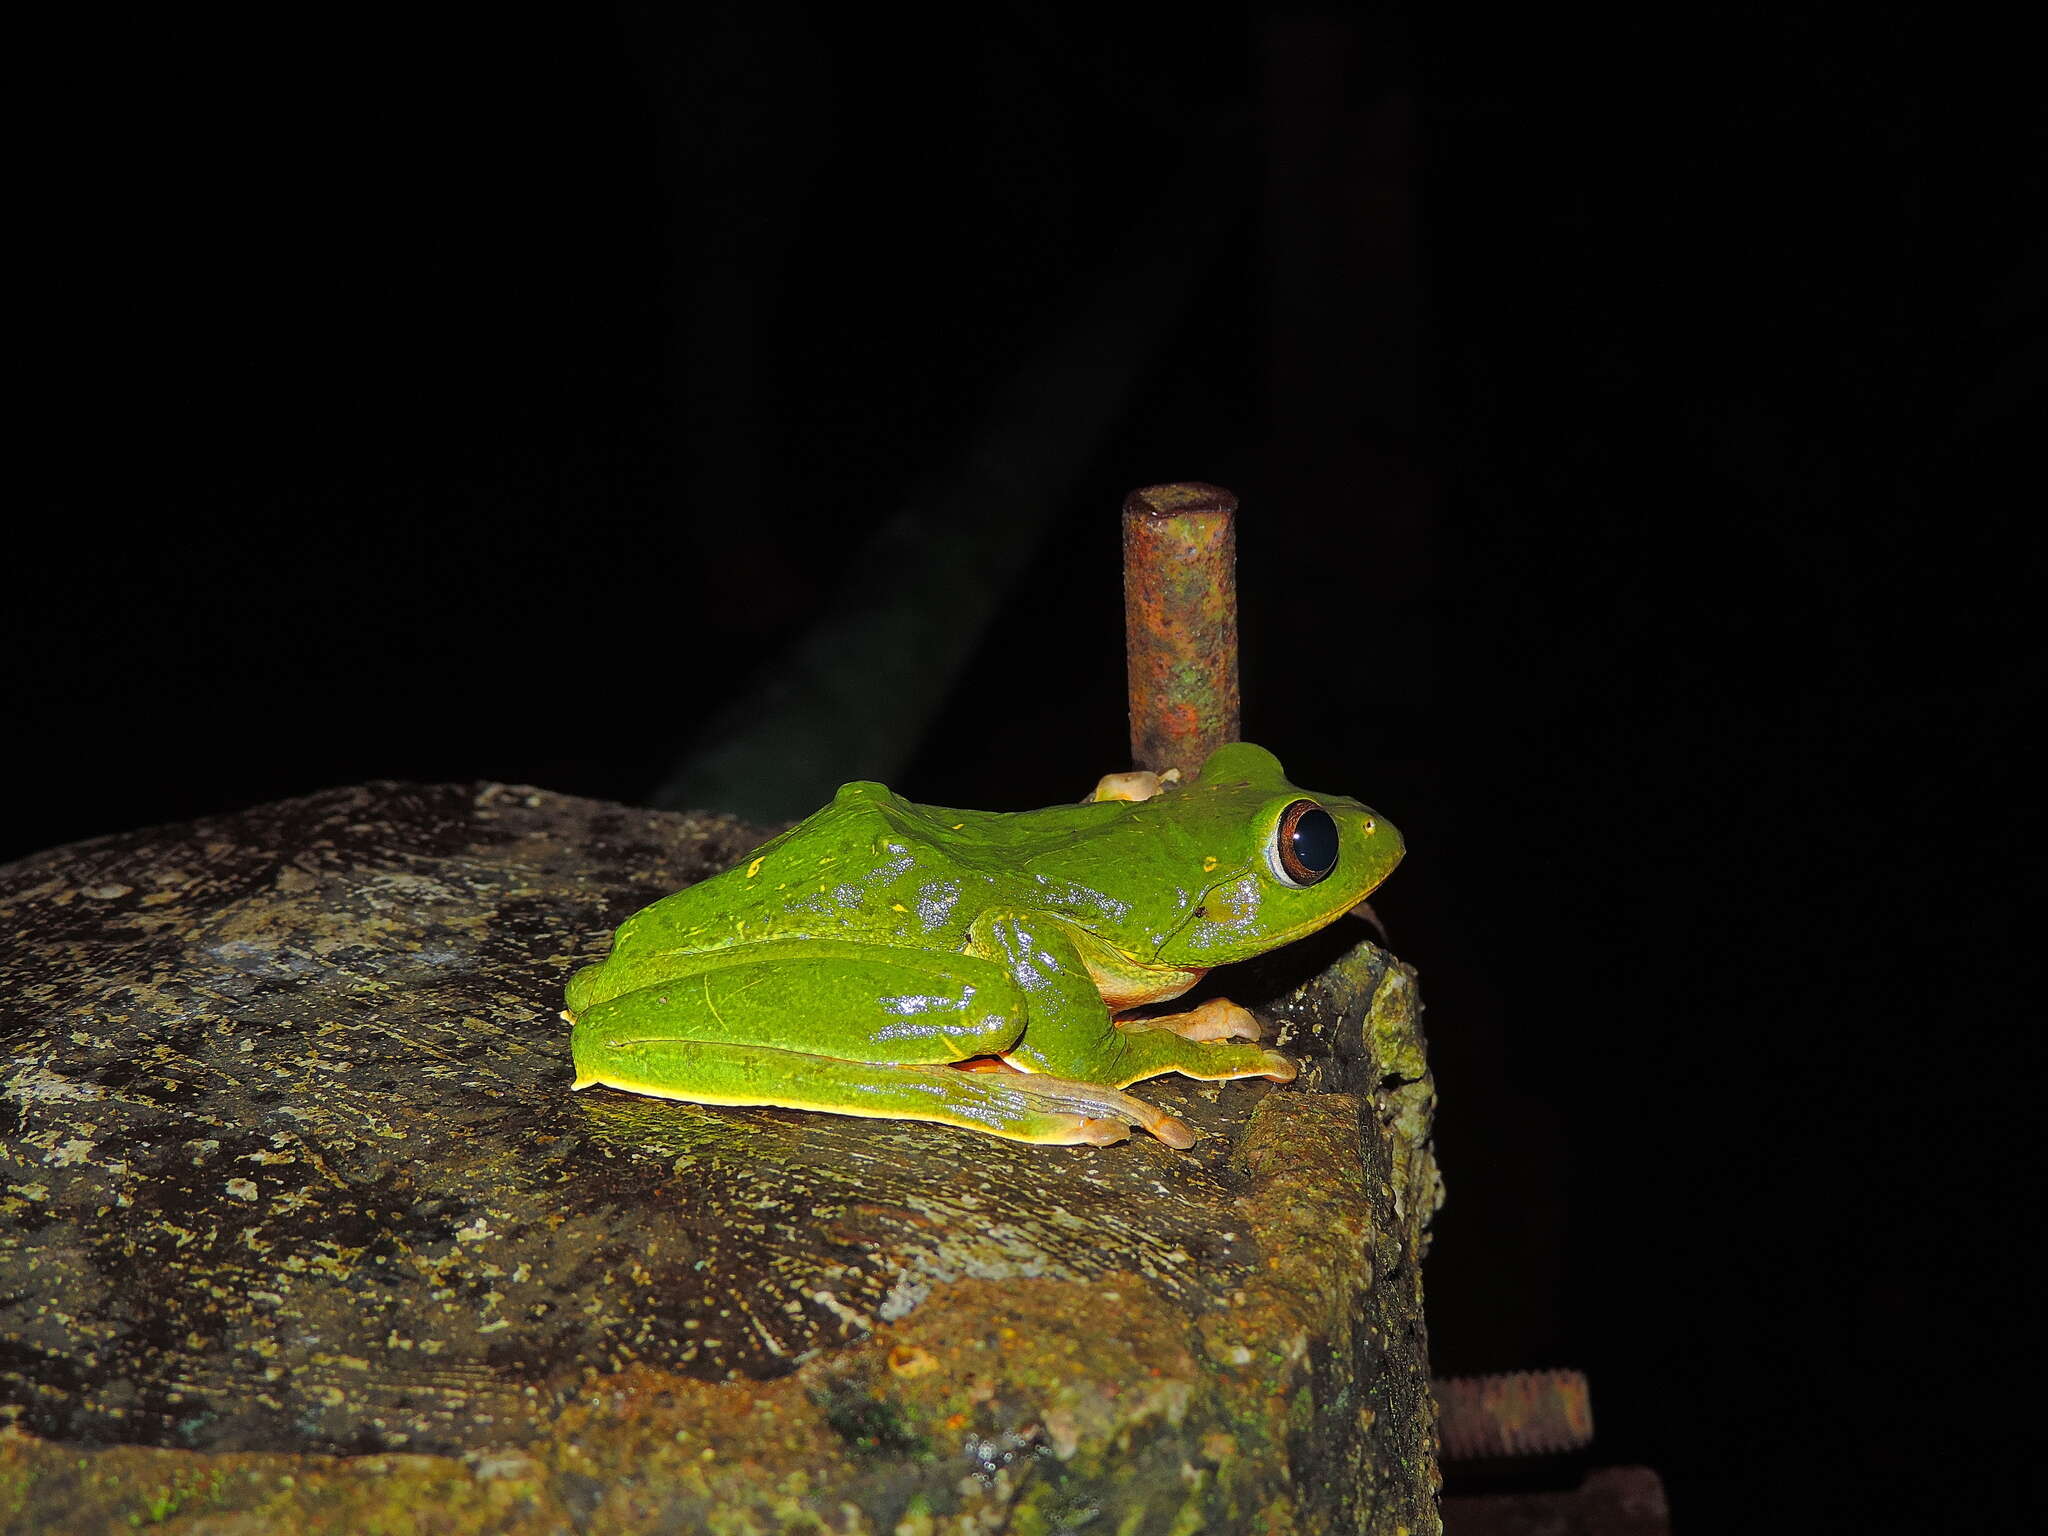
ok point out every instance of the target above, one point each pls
(1279, 937)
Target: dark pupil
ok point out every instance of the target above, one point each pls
(1315, 841)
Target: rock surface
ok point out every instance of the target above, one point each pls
(301, 1229)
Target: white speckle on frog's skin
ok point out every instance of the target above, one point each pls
(936, 900)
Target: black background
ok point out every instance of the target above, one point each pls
(1636, 416)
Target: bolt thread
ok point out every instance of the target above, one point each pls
(1516, 1413)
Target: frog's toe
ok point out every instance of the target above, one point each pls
(1279, 1068)
(1170, 1129)
(1098, 1133)
(1139, 785)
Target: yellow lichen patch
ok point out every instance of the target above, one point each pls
(909, 1362)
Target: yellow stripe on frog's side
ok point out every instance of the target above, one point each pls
(966, 1103)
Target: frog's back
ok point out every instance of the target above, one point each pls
(871, 828)
(866, 866)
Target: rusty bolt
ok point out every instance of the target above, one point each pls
(1518, 1413)
(1180, 623)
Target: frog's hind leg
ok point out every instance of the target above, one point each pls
(850, 1028)
(1016, 1106)
(826, 998)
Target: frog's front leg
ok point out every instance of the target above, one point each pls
(1070, 1033)
(854, 1029)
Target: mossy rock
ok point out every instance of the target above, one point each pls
(300, 1227)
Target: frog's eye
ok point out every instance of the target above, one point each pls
(1305, 844)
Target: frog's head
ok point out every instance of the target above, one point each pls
(1286, 861)
(1235, 864)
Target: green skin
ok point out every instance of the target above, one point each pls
(855, 962)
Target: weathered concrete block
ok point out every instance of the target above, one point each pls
(301, 1229)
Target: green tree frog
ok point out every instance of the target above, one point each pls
(857, 962)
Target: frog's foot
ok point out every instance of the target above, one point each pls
(1217, 1019)
(1212, 1052)
(1020, 1106)
(1117, 1108)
